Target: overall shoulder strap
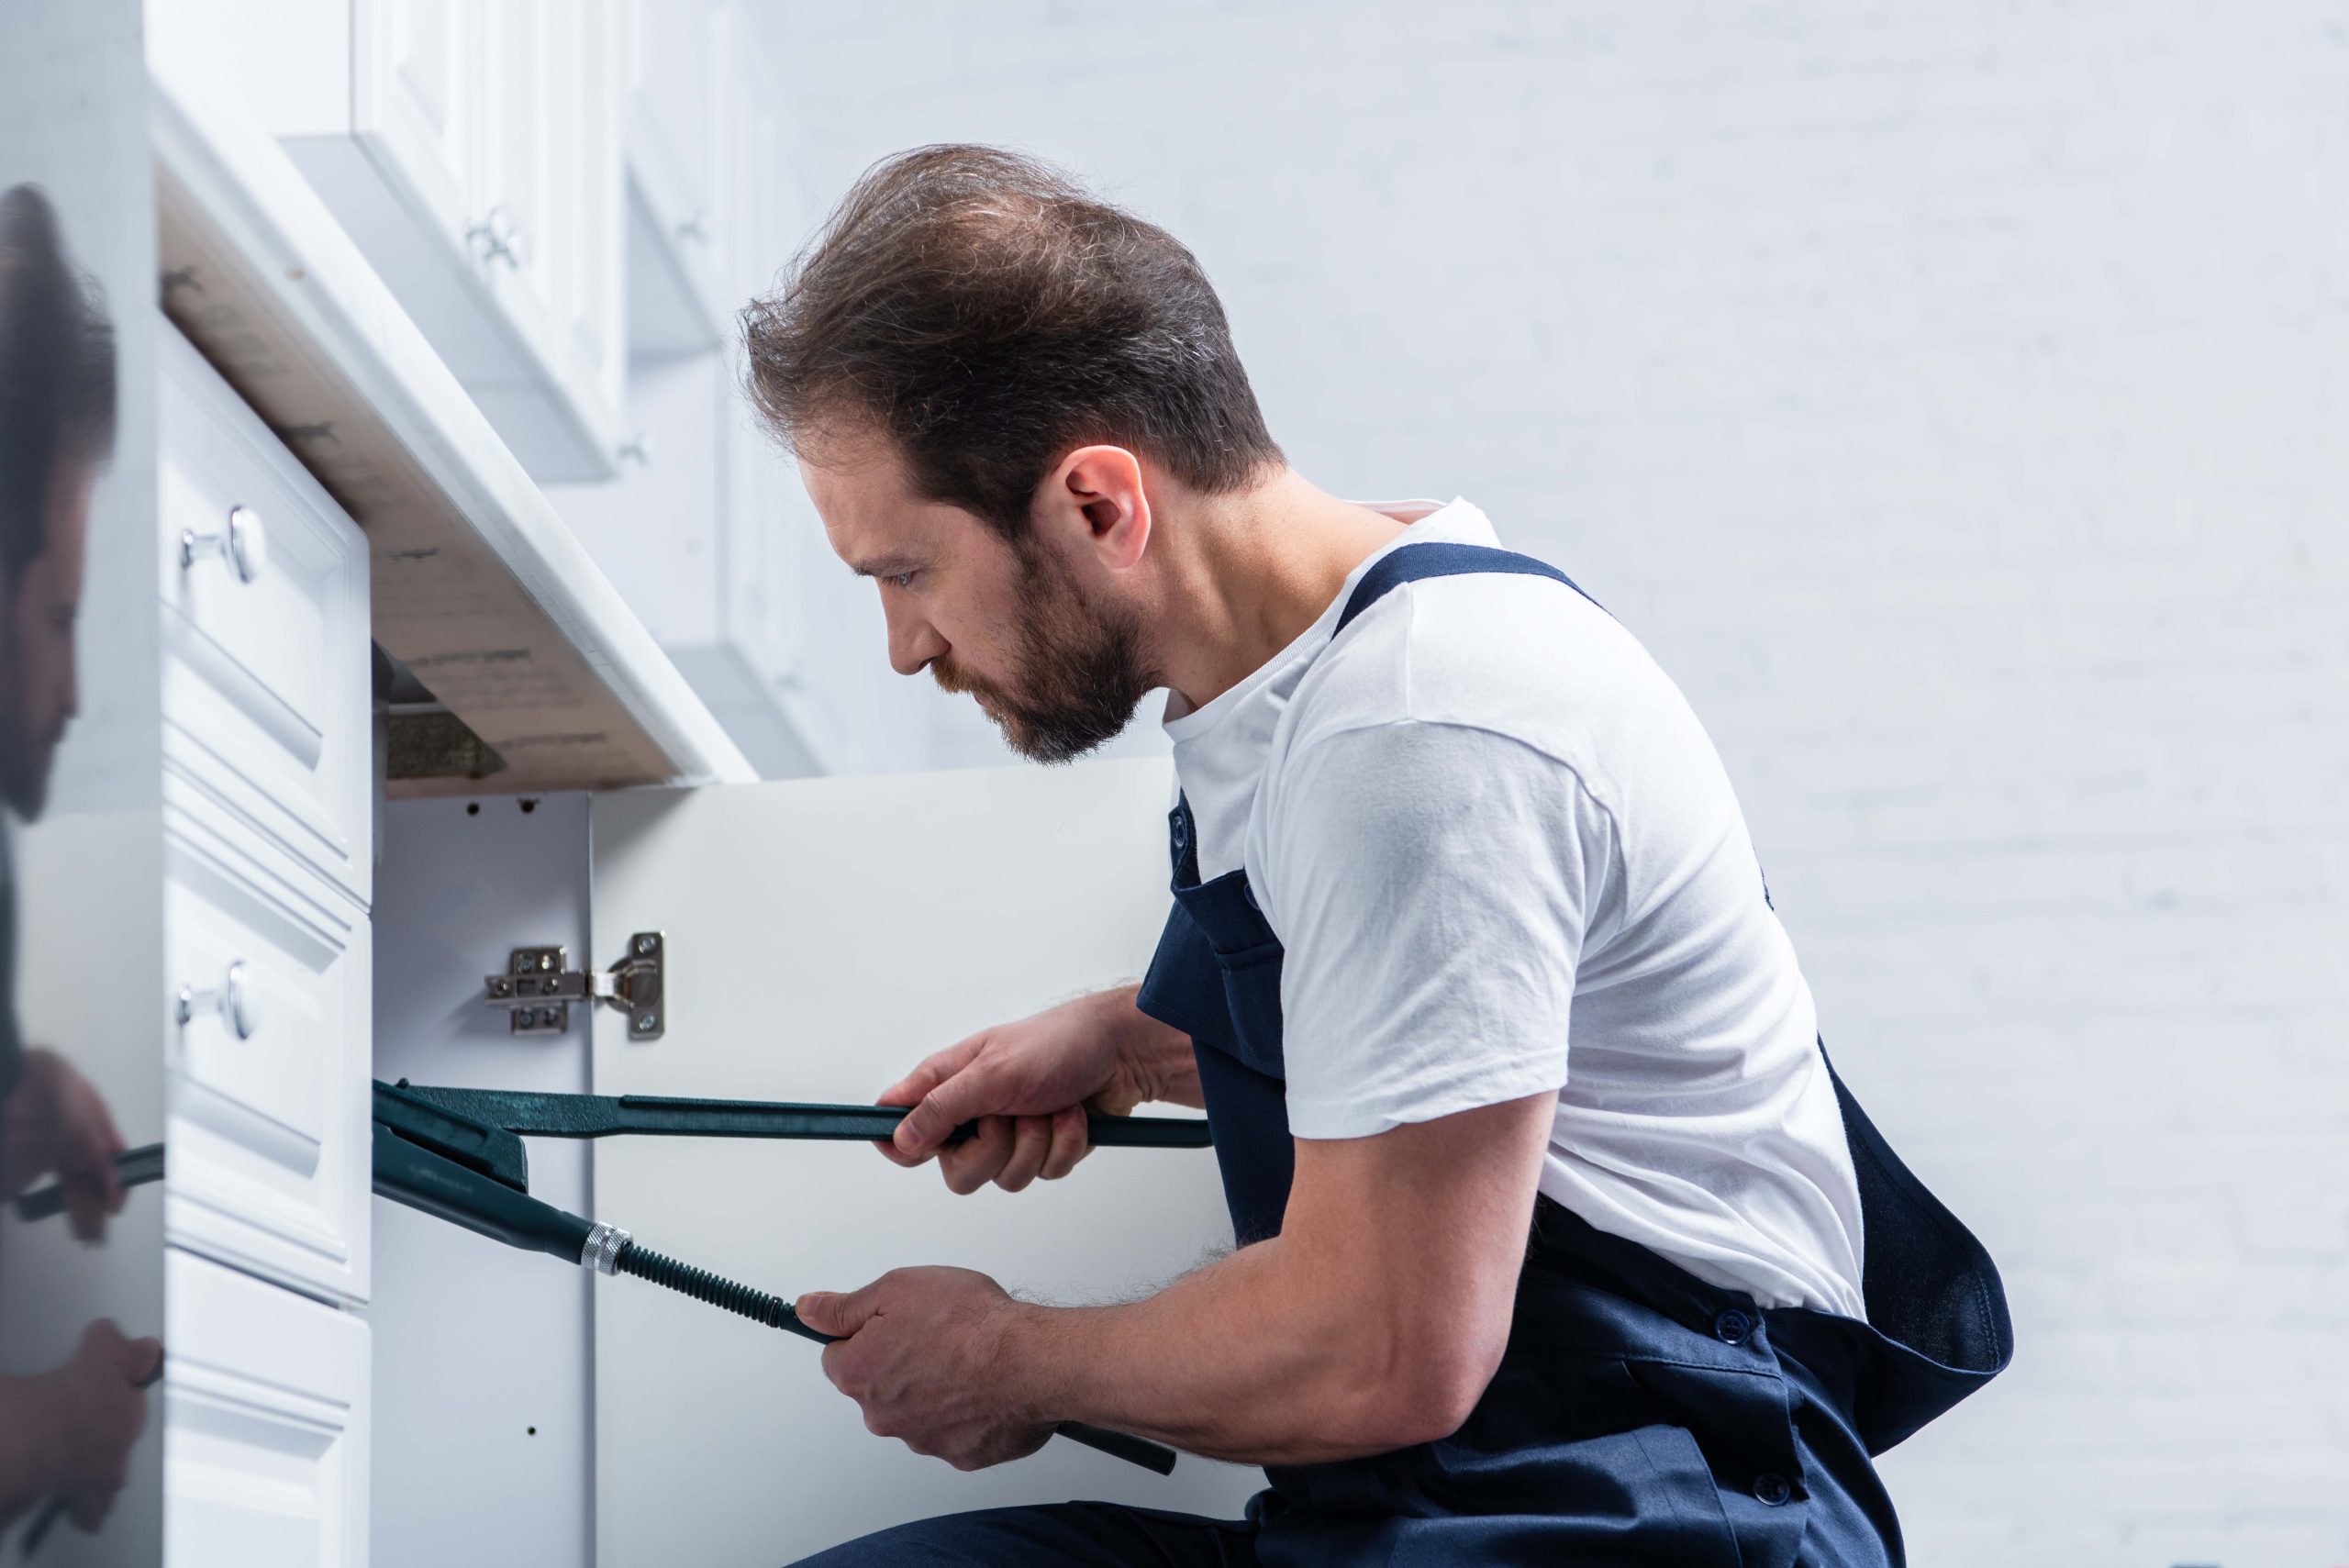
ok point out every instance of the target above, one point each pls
(1414, 561)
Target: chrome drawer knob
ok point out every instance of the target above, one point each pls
(243, 544)
(233, 999)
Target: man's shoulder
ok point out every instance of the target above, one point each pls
(1524, 656)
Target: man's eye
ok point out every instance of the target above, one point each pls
(902, 579)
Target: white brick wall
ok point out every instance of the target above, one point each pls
(1956, 398)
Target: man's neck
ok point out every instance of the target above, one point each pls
(1246, 573)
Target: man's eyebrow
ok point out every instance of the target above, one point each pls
(884, 566)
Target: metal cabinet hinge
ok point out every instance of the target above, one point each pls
(539, 987)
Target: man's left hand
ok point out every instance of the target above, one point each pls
(57, 1122)
(921, 1352)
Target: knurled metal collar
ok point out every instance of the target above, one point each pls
(602, 1252)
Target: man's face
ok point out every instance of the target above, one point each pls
(1058, 670)
(36, 614)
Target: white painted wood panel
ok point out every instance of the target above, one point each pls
(822, 935)
(270, 1163)
(460, 1322)
(265, 1437)
(414, 91)
(296, 306)
(266, 701)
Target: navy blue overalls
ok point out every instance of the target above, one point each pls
(1640, 1416)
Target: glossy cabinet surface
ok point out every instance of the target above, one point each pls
(267, 1425)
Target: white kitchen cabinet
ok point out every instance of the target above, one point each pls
(473, 150)
(415, 101)
(680, 72)
(268, 832)
(267, 855)
(819, 936)
(713, 541)
(547, 216)
(267, 1091)
(264, 587)
(266, 1430)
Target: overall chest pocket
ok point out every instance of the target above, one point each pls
(1247, 959)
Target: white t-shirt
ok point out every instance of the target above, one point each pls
(1503, 857)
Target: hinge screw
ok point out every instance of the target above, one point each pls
(646, 1021)
(546, 961)
(644, 946)
(524, 1017)
(522, 962)
(501, 987)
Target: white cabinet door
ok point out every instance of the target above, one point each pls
(265, 1430)
(414, 95)
(678, 70)
(268, 1085)
(821, 935)
(585, 96)
(547, 182)
(265, 669)
(478, 169)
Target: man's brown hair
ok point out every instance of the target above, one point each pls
(56, 372)
(990, 318)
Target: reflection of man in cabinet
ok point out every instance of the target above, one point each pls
(1435, 803)
(67, 1431)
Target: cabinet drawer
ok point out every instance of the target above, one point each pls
(269, 1088)
(265, 1409)
(266, 695)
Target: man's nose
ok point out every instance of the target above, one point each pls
(913, 642)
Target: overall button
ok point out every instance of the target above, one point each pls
(1771, 1488)
(1734, 1327)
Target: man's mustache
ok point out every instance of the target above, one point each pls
(962, 683)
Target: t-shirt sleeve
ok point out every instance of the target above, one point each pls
(1431, 884)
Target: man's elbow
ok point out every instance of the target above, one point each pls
(1430, 1390)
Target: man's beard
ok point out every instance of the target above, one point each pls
(1079, 675)
(23, 764)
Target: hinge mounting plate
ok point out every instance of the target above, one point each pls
(538, 986)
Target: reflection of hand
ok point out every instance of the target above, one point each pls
(81, 1420)
(56, 1122)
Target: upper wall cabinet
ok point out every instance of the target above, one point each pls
(472, 148)
(715, 206)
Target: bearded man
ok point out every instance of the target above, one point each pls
(1560, 1241)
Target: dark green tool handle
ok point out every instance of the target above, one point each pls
(408, 1173)
(131, 1167)
(604, 1116)
(672, 1114)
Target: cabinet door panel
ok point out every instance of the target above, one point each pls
(413, 97)
(265, 1425)
(821, 937)
(267, 1124)
(265, 682)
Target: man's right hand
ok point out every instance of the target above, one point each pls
(81, 1419)
(1028, 1085)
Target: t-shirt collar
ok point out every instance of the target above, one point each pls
(1414, 513)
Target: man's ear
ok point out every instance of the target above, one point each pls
(1098, 493)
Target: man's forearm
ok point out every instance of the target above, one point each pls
(1373, 1321)
(26, 1441)
(1158, 1055)
(1254, 1358)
